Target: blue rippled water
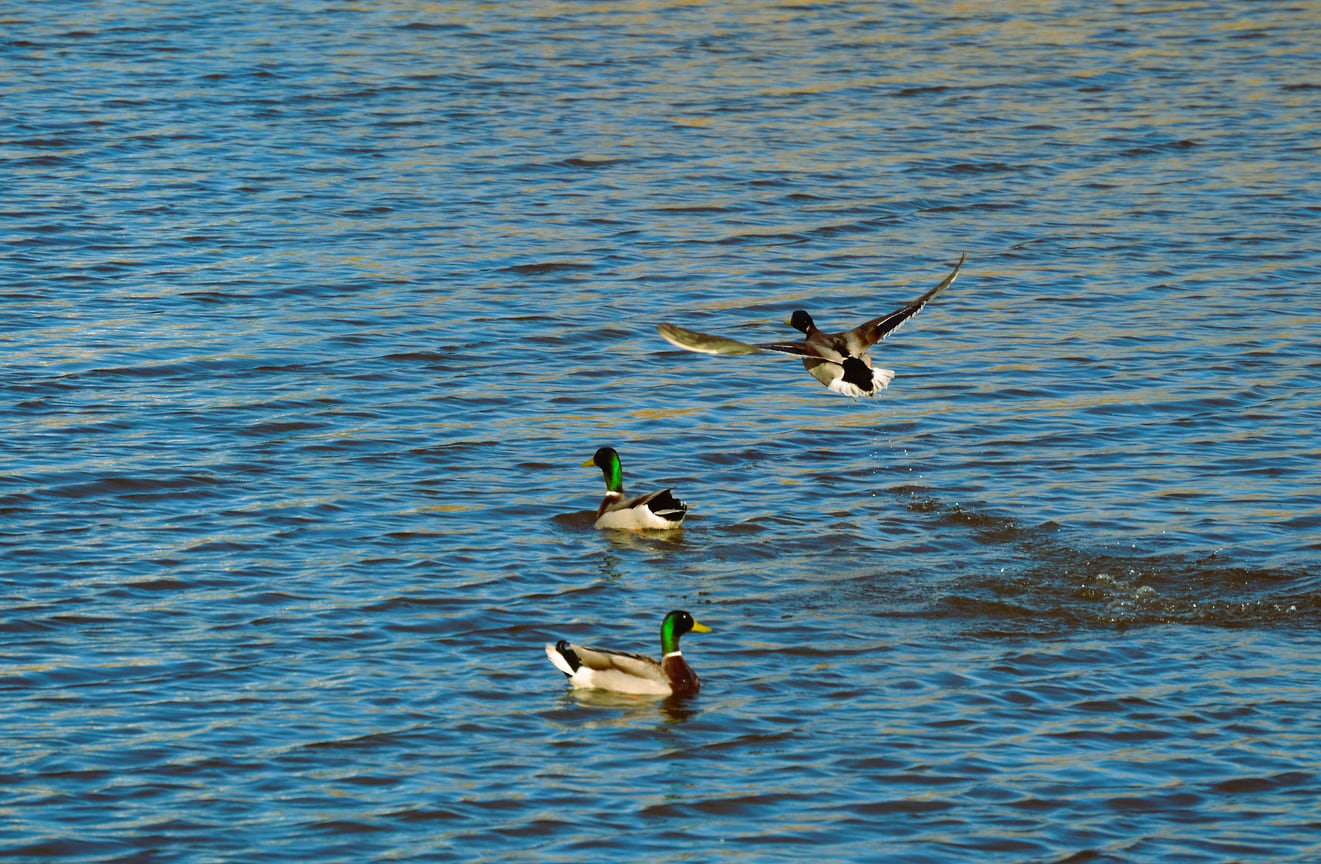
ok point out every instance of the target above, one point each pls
(311, 311)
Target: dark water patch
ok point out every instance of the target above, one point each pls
(436, 356)
(1049, 581)
(435, 26)
(545, 268)
(976, 168)
(220, 546)
(926, 90)
(1159, 148)
(1257, 785)
(278, 429)
(756, 238)
(596, 163)
(39, 143)
(1067, 588)
(187, 370)
(64, 848)
(140, 488)
(337, 827)
(844, 228)
(168, 584)
(984, 206)
(691, 209)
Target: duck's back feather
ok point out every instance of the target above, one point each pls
(597, 668)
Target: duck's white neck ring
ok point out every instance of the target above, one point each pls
(672, 654)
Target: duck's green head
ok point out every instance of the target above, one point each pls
(608, 461)
(675, 625)
(800, 321)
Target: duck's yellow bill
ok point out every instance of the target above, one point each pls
(588, 462)
(700, 628)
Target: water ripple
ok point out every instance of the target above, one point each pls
(306, 338)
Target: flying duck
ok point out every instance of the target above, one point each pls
(838, 360)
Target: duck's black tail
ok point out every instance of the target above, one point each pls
(666, 506)
(858, 374)
(566, 651)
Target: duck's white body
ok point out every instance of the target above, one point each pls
(659, 511)
(611, 670)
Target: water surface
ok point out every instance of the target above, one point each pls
(311, 311)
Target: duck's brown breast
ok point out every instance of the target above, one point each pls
(683, 680)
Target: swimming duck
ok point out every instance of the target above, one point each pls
(838, 360)
(599, 669)
(658, 511)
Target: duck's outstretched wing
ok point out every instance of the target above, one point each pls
(705, 343)
(864, 336)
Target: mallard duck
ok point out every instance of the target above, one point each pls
(599, 669)
(658, 511)
(838, 360)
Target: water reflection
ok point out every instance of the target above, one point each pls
(593, 709)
